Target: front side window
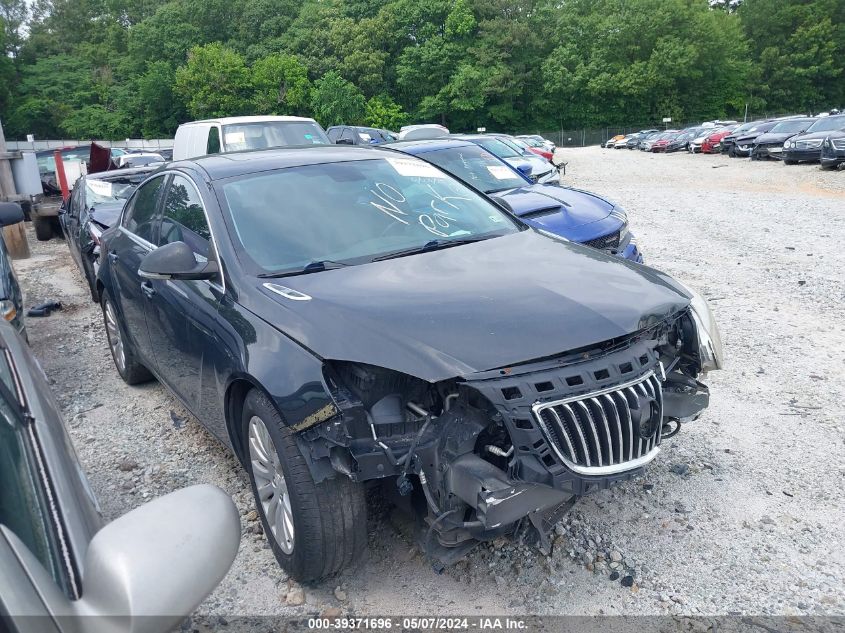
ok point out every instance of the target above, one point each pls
(261, 135)
(477, 167)
(183, 218)
(351, 212)
(140, 215)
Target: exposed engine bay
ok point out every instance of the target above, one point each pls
(480, 455)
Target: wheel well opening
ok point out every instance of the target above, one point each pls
(235, 398)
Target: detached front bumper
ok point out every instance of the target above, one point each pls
(771, 150)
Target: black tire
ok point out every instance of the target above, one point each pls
(43, 228)
(133, 371)
(829, 166)
(786, 161)
(329, 518)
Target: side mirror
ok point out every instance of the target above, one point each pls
(162, 559)
(149, 569)
(524, 169)
(344, 141)
(175, 261)
(10, 213)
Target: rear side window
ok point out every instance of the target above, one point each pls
(139, 217)
(213, 146)
(183, 218)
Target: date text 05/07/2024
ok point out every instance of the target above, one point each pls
(477, 623)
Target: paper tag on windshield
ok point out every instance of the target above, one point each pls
(363, 136)
(500, 172)
(415, 168)
(235, 138)
(100, 187)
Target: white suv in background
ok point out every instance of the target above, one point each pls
(233, 134)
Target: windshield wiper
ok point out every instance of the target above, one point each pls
(313, 267)
(433, 245)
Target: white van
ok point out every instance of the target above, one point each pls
(233, 134)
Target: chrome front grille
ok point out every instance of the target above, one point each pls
(607, 431)
(838, 143)
(809, 144)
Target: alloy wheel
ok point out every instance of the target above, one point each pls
(270, 484)
(115, 338)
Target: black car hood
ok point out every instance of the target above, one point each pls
(471, 308)
(815, 135)
(779, 137)
(106, 214)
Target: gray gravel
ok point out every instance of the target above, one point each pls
(741, 513)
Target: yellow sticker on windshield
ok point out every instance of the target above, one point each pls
(233, 138)
(500, 172)
(415, 168)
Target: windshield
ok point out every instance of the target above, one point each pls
(112, 190)
(264, 134)
(789, 126)
(477, 167)
(498, 148)
(828, 124)
(351, 212)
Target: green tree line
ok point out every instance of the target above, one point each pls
(129, 68)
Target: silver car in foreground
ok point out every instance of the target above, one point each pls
(61, 569)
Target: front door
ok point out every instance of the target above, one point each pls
(181, 314)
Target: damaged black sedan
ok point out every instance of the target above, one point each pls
(339, 316)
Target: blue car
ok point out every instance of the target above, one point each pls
(579, 216)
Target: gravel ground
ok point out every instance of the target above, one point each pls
(741, 513)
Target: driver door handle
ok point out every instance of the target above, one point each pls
(147, 289)
(113, 256)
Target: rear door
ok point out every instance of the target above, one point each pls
(181, 315)
(126, 250)
(70, 220)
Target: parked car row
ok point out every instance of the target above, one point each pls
(364, 325)
(792, 139)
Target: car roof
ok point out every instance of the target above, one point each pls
(122, 173)
(430, 145)
(230, 164)
(235, 120)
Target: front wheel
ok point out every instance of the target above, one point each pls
(314, 529)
